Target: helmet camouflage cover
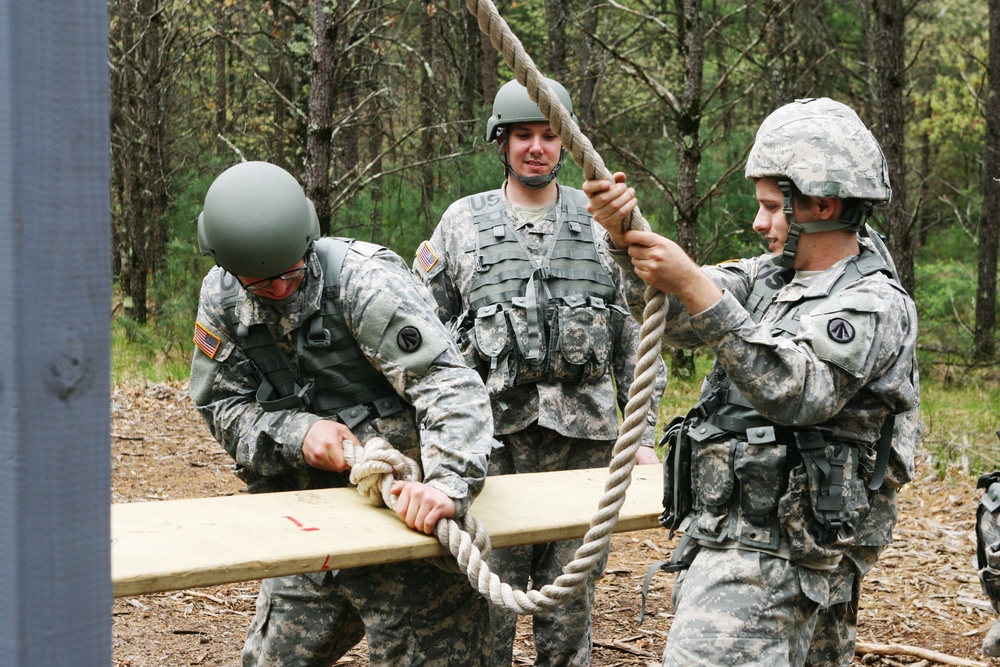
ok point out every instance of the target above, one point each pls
(823, 147)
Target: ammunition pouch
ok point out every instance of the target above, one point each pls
(574, 343)
(826, 498)
(766, 482)
(677, 498)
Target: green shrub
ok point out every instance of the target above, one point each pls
(946, 302)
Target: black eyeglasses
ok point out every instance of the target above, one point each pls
(259, 285)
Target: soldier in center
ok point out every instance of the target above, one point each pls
(538, 308)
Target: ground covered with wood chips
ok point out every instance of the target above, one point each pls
(922, 605)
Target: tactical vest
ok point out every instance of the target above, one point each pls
(553, 322)
(739, 500)
(332, 378)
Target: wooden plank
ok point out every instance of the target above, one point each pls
(178, 544)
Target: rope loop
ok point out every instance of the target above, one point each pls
(374, 468)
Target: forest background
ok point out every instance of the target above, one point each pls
(379, 107)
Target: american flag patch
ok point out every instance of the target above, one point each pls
(206, 341)
(426, 256)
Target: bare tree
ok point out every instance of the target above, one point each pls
(321, 93)
(891, 77)
(126, 137)
(586, 107)
(989, 225)
(558, 13)
(221, 79)
(428, 101)
(471, 71)
(140, 160)
(282, 75)
(156, 62)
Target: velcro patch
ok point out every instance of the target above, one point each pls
(206, 341)
(426, 256)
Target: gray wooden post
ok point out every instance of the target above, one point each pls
(55, 307)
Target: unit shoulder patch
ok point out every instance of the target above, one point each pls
(409, 339)
(840, 330)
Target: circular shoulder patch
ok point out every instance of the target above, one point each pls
(409, 339)
(840, 330)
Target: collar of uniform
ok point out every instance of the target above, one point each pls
(816, 285)
(544, 226)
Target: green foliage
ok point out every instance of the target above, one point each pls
(137, 352)
(680, 395)
(394, 217)
(637, 68)
(961, 414)
(945, 297)
(953, 91)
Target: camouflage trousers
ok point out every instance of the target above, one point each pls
(836, 630)
(562, 635)
(743, 607)
(413, 614)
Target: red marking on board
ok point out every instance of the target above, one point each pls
(297, 523)
(326, 563)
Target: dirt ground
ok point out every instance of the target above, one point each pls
(922, 605)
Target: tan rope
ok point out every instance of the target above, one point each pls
(469, 551)
(374, 468)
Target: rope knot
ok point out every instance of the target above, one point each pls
(376, 466)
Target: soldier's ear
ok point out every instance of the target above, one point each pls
(826, 208)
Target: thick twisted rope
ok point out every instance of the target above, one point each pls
(374, 468)
(469, 551)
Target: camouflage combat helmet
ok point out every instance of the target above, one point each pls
(257, 221)
(822, 147)
(512, 104)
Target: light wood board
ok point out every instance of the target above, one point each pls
(178, 544)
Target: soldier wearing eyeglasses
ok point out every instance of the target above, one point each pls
(303, 344)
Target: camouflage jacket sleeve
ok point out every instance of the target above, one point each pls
(440, 262)
(223, 387)
(382, 298)
(734, 276)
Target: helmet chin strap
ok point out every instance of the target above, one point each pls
(533, 182)
(852, 219)
(786, 259)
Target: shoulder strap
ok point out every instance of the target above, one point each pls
(332, 251)
(279, 388)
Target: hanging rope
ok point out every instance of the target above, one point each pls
(467, 541)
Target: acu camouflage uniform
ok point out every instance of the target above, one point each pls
(835, 637)
(412, 613)
(555, 411)
(988, 552)
(808, 385)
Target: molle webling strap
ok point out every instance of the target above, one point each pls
(787, 257)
